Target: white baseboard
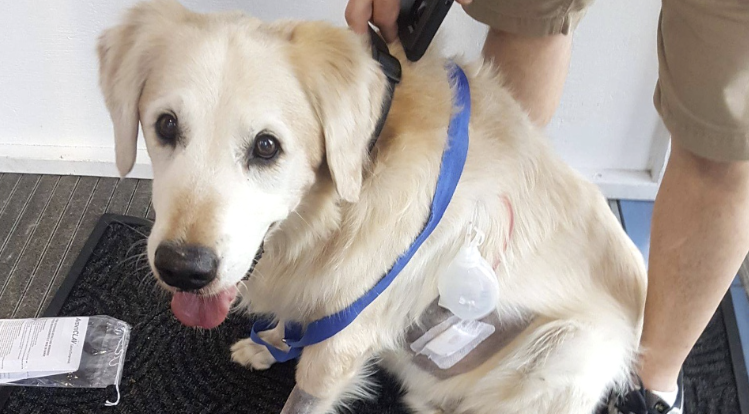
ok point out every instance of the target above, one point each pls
(99, 162)
(624, 184)
(67, 160)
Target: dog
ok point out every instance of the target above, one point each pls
(258, 133)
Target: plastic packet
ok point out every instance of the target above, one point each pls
(449, 342)
(74, 352)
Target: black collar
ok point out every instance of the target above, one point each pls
(392, 69)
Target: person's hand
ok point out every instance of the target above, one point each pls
(382, 13)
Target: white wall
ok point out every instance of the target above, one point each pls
(606, 125)
(53, 120)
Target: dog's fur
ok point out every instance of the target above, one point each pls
(340, 216)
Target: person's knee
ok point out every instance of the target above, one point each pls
(709, 173)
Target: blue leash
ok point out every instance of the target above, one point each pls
(453, 160)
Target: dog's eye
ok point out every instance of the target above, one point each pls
(266, 146)
(167, 128)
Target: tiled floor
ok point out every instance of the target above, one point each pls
(44, 222)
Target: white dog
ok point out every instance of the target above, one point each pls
(258, 135)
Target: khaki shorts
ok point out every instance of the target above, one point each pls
(702, 92)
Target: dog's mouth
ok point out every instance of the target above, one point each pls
(208, 311)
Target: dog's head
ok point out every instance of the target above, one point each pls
(241, 118)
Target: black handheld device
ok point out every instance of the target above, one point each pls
(418, 22)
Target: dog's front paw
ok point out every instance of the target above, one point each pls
(249, 354)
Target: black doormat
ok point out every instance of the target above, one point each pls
(170, 368)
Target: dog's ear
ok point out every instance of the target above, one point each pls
(124, 62)
(346, 88)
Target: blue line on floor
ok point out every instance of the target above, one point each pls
(636, 216)
(741, 307)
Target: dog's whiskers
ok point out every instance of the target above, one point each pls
(131, 227)
(135, 244)
(147, 276)
(142, 268)
(132, 259)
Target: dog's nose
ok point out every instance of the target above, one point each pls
(186, 267)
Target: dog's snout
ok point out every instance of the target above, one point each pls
(185, 267)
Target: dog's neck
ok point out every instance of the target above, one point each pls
(316, 239)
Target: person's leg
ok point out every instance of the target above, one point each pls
(534, 68)
(530, 41)
(700, 229)
(700, 236)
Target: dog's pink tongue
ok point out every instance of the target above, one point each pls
(203, 311)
